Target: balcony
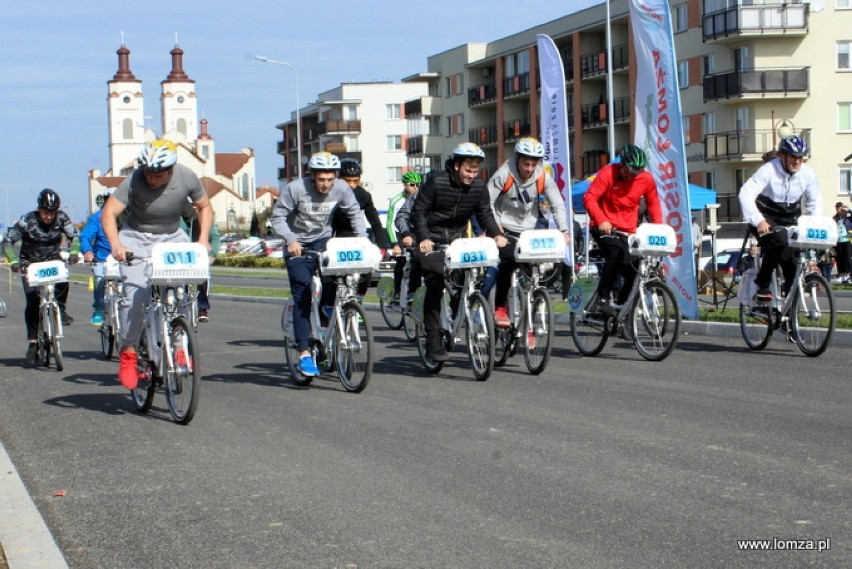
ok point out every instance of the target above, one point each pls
(423, 144)
(481, 95)
(281, 147)
(765, 20)
(758, 84)
(516, 85)
(483, 136)
(424, 106)
(516, 129)
(743, 145)
(333, 127)
(594, 64)
(594, 160)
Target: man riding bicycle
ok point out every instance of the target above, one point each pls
(402, 202)
(40, 233)
(440, 214)
(517, 190)
(302, 216)
(612, 202)
(771, 199)
(154, 196)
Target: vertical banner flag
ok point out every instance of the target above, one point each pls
(658, 130)
(554, 126)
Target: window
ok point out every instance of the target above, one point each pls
(710, 123)
(685, 122)
(455, 84)
(679, 18)
(843, 49)
(205, 152)
(394, 142)
(844, 117)
(392, 111)
(844, 180)
(683, 74)
(181, 126)
(127, 129)
(710, 180)
(842, 4)
(244, 186)
(395, 174)
(455, 124)
(350, 112)
(709, 64)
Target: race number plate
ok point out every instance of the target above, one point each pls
(656, 239)
(347, 255)
(813, 232)
(112, 269)
(179, 263)
(47, 272)
(540, 245)
(467, 253)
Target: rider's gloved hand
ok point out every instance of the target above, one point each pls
(74, 259)
(16, 267)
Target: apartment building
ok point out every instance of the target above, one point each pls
(748, 73)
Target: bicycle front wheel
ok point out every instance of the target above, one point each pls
(183, 381)
(756, 325)
(655, 321)
(503, 338)
(354, 349)
(813, 315)
(55, 341)
(107, 339)
(45, 336)
(480, 336)
(391, 312)
(143, 395)
(537, 334)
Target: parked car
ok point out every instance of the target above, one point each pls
(724, 269)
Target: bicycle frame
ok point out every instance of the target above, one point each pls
(163, 305)
(449, 324)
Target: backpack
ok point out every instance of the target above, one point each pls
(510, 181)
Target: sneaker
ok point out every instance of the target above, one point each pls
(436, 351)
(838, 280)
(97, 318)
(181, 361)
(202, 315)
(531, 340)
(763, 295)
(604, 307)
(66, 318)
(308, 367)
(32, 354)
(128, 373)
(501, 317)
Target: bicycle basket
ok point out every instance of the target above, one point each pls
(467, 253)
(540, 246)
(812, 232)
(656, 239)
(179, 263)
(47, 272)
(349, 255)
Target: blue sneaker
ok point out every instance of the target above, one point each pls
(308, 367)
(97, 318)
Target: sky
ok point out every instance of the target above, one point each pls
(56, 59)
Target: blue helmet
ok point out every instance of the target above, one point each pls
(794, 145)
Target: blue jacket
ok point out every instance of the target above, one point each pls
(93, 239)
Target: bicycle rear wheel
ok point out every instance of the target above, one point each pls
(813, 315)
(756, 325)
(655, 321)
(408, 326)
(143, 395)
(480, 336)
(355, 359)
(589, 329)
(56, 341)
(391, 312)
(537, 334)
(183, 381)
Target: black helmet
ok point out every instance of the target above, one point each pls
(48, 200)
(633, 157)
(350, 168)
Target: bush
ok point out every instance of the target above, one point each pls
(248, 261)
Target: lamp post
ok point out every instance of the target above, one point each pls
(265, 59)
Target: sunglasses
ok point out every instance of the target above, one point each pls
(413, 185)
(633, 171)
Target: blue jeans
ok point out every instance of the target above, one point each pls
(98, 271)
(300, 271)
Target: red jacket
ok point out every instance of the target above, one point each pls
(615, 200)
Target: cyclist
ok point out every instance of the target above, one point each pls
(613, 204)
(302, 217)
(40, 233)
(350, 172)
(771, 199)
(440, 214)
(95, 248)
(406, 237)
(517, 190)
(154, 196)
(411, 182)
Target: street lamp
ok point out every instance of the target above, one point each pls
(265, 59)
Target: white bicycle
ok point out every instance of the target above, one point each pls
(46, 275)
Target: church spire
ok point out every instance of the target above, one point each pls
(177, 73)
(123, 73)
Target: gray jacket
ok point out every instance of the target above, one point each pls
(303, 214)
(515, 211)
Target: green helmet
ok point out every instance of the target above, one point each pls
(412, 178)
(633, 157)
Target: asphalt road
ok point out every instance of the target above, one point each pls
(607, 462)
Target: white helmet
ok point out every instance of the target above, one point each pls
(529, 146)
(158, 155)
(468, 150)
(324, 161)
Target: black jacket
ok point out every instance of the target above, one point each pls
(342, 227)
(443, 207)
